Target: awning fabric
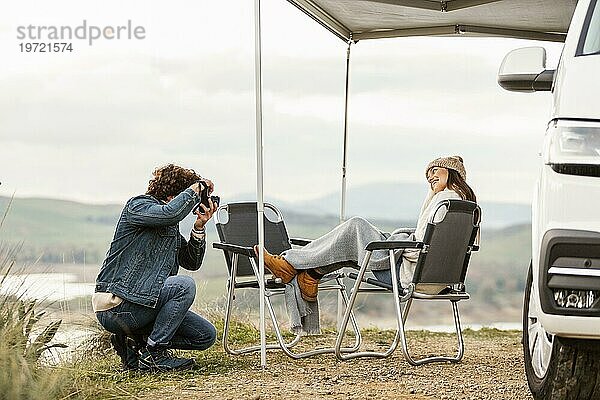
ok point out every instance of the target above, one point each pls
(372, 19)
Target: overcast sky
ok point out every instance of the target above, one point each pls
(92, 124)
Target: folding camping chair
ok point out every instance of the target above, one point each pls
(439, 274)
(237, 226)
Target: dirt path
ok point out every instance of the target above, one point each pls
(491, 369)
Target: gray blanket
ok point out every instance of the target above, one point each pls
(344, 245)
(304, 316)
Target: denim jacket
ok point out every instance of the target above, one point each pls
(147, 248)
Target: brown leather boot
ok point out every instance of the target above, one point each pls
(278, 266)
(309, 286)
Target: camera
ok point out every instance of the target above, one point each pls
(204, 198)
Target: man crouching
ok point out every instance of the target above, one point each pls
(139, 297)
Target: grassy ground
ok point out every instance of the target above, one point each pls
(491, 369)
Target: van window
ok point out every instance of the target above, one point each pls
(591, 38)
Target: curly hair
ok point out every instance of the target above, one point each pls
(170, 180)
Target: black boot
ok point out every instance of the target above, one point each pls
(127, 349)
(161, 359)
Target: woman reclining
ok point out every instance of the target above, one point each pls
(345, 244)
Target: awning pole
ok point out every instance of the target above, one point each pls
(340, 300)
(345, 154)
(259, 182)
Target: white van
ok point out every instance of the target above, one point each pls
(561, 316)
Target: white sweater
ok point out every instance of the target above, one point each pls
(428, 208)
(411, 256)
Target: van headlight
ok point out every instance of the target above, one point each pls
(573, 149)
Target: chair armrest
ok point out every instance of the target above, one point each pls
(372, 281)
(405, 230)
(393, 245)
(300, 241)
(245, 251)
(452, 296)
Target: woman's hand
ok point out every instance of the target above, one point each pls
(202, 219)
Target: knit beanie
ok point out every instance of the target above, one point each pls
(452, 162)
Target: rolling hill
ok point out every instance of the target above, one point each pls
(399, 201)
(59, 232)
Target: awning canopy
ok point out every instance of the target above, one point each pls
(373, 19)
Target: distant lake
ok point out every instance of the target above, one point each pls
(47, 287)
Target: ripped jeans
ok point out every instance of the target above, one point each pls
(170, 324)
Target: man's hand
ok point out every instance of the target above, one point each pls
(202, 219)
(196, 186)
(211, 186)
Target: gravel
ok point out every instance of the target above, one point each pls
(492, 368)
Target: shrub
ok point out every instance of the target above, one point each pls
(22, 342)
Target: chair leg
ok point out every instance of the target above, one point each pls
(287, 349)
(281, 343)
(400, 315)
(355, 327)
(347, 315)
(460, 350)
(270, 346)
(228, 312)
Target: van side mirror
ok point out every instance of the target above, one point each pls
(524, 70)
